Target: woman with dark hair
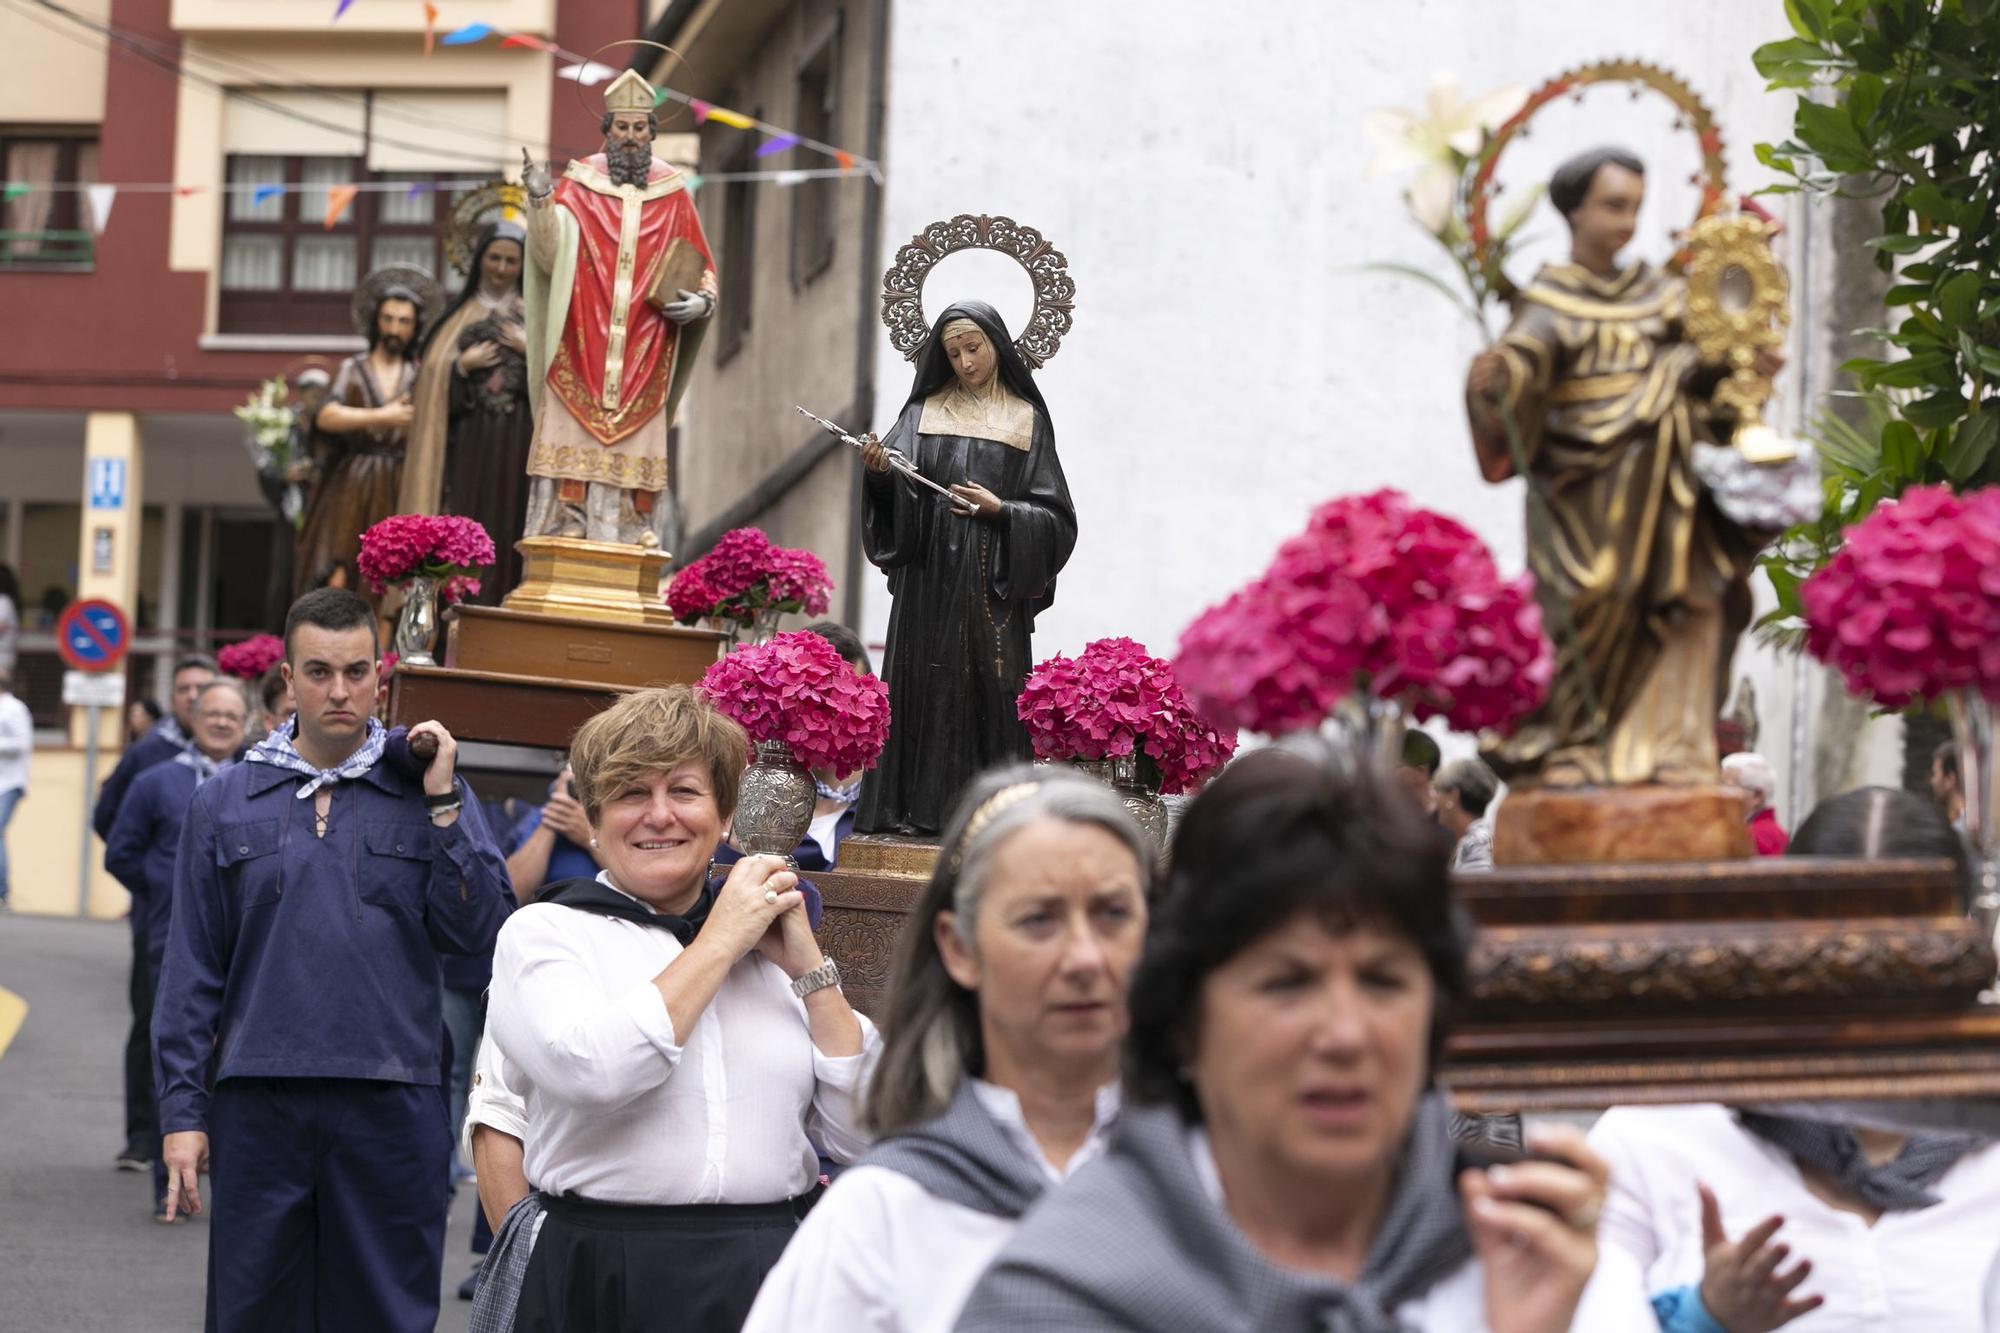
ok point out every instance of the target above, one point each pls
(968, 578)
(469, 438)
(999, 1076)
(1284, 1162)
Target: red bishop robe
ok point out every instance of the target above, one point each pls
(620, 359)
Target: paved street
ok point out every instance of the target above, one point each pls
(80, 1251)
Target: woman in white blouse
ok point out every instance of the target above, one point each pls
(681, 1046)
(998, 1077)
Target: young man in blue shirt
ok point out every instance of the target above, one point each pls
(314, 888)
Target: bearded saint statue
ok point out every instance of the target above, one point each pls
(620, 287)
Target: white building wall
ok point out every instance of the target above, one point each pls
(1203, 168)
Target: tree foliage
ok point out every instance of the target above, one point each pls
(1899, 102)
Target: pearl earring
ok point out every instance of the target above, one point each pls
(593, 842)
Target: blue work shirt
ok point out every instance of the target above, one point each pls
(155, 747)
(295, 956)
(144, 840)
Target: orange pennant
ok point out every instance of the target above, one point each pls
(338, 198)
(430, 27)
(845, 158)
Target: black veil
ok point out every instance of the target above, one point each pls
(934, 370)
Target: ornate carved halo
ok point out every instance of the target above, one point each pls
(1055, 291)
(666, 119)
(368, 294)
(1694, 115)
(468, 216)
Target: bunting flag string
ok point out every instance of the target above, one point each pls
(338, 199)
(347, 191)
(101, 198)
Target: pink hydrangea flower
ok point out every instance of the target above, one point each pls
(797, 689)
(688, 596)
(442, 546)
(741, 558)
(1115, 699)
(250, 659)
(798, 580)
(1375, 595)
(1909, 606)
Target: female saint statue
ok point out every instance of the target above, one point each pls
(468, 450)
(969, 579)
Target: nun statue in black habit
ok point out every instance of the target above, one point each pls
(968, 579)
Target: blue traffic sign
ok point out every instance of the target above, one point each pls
(92, 635)
(107, 483)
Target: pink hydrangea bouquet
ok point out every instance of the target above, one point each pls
(1114, 699)
(1909, 607)
(797, 690)
(1376, 596)
(446, 547)
(744, 575)
(250, 659)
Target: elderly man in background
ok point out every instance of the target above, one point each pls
(147, 835)
(1465, 790)
(1753, 773)
(170, 737)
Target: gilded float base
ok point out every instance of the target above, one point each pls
(608, 581)
(888, 855)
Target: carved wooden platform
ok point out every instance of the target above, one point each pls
(522, 678)
(1774, 979)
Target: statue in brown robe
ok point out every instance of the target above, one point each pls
(1642, 579)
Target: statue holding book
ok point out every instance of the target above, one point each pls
(619, 290)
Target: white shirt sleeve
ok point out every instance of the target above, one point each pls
(835, 1274)
(490, 1101)
(551, 1018)
(1628, 1223)
(838, 1083)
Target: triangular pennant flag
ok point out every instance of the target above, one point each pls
(776, 144)
(509, 213)
(786, 179)
(417, 188)
(187, 191)
(466, 36)
(844, 158)
(734, 119)
(523, 39)
(101, 199)
(588, 73)
(338, 197)
(430, 27)
(263, 192)
(700, 109)
(14, 190)
(694, 183)
(343, 7)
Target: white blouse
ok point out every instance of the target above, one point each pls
(879, 1254)
(1926, 1270)
(620, 1108)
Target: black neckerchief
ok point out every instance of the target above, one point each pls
(600, 899)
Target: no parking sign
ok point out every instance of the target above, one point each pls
(92, 635)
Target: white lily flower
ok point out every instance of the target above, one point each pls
(1449, 130)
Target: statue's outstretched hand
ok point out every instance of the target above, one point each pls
(535, 176)
(1488, 373)
(690, 306)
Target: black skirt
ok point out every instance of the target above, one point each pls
(636, 1268)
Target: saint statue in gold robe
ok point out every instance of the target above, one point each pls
(1642, 579)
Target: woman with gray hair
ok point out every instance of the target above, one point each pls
(999, 1074)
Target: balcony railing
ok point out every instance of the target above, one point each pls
(47, 250)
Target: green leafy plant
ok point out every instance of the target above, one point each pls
(1899, 103)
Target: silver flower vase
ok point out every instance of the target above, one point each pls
(764, 628)
(416, 628)
(1972, 729)
(1138, 787)
(1371, 728)
(774, 803)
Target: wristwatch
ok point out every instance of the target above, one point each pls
(826, 974)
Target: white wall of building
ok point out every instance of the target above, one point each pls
(1204, 170)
